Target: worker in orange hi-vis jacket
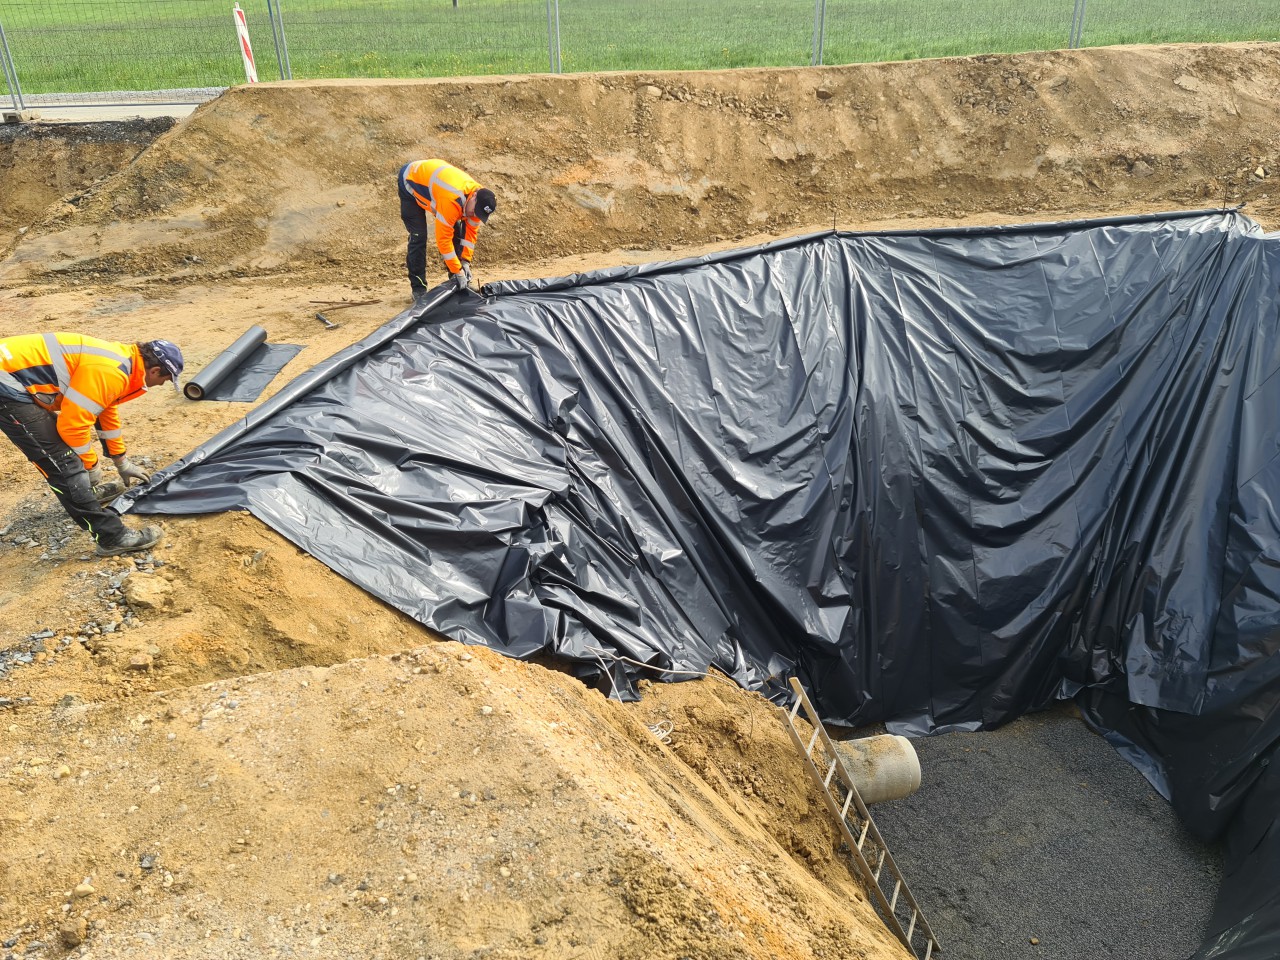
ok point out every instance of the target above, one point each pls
(56, 389)
(457, 204)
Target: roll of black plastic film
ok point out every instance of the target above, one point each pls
(225, 362)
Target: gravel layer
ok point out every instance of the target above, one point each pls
(1038, 841)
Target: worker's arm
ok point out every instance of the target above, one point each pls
(110, 432)
(469, 241)
(448, 210)
(91, 397)
(444, 242)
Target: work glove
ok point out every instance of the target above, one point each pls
(95, 474)
(460, 280)
(130, 473)
(466, 272)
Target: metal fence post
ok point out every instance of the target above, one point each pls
(282, 47)
(819, 31)
(559, 61)
(551, 42)
(10, 73)
(275, 38)
(1077, 25)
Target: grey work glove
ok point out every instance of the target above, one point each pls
(466, 272)
(95, 474)
(460, 280)
(130, 473)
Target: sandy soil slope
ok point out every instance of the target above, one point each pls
(245, 756)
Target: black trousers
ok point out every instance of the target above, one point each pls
(34, 431)
(415, 221)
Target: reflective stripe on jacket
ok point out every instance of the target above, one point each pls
(82, 379)
(442, 190)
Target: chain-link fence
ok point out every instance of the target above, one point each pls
(133, 51)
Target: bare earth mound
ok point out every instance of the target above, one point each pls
(193, 761)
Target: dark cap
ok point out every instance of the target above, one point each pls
(167, 355)
(486, 203)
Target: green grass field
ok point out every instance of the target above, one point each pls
(98, 45)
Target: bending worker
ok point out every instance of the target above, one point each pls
(457, 204)
(55, 388)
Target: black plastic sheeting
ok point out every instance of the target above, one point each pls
(242, 371)
(943, 477)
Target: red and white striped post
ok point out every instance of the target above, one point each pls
(246, 51)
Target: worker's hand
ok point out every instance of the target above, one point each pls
(95, 474)
(466, 272)
(460, 280)
(130, 473)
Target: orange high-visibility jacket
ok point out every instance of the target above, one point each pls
(442, 189)
(82, 379)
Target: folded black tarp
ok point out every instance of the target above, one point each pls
(943, 477)
(243, 370)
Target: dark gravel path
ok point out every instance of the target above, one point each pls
(1038, 841)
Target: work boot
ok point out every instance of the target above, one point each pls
(132, 542)
(107, 490)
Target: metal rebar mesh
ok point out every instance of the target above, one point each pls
(415, 38)
(1183, 21)
(867, 31)
(186, 50)
(685, 34)
(115, 48)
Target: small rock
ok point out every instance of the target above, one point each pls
(62, 772)
(652, 92)
(823, 93)
(486, 710)
(147, 592)
(1035, 941)
(1260, 173)
(73, 931)
(83, 890)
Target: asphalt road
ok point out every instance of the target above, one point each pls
(1038, 841)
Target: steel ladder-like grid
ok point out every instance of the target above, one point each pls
(860, 832)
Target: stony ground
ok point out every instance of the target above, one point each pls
(224, 750)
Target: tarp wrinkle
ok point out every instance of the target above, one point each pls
(943, 477)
